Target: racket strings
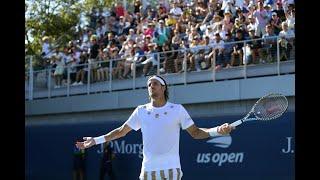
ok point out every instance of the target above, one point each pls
(270, 107)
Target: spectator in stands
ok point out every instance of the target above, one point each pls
(72, 62)
(67, 60)
(140, 39)
(46, 52)
(162, 12)
(58, 72)
(106, 162)
(238, 25)
(126, 49)
(112, 25)
(149, 30)
(184, 18)
(150, 15)
(229, 7)
(228, 49)
(255, 47)
(129, 59)
(119, 10)
(241, 15)
(93, 18)
(216, 20)
(123, 26)
(103, 68)
(93, 53)
(237, 54)
(244, 7)
(194, 34)
(275, 23)
(100, 30)
(222, 31)
(162, 35)
(81, 69)
(170, 20)
(161, 122)
(117, 63)
(132, 35)
(210, 33)
(227, 21)
(269, 45)
(200, 12)
(151, 60)
(176, 10)
(216, 54)
(137, 6)
(194, 55)
(286, 41)
(79, 163)
(179, 61)
(167, 59)
(290, 19)
(261, 16)
(286, 32)
(268, 9)
(146, 42)
(176, 40)
(280, 12)
(137, 60)
(207, 49)
(252, 23)
(252, 7)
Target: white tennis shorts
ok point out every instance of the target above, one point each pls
(168, 174)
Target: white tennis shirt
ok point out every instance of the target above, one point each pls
(160, 127)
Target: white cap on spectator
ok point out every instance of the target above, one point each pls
(217, 16)
(251, 29)
(227, 13)
(251, 4)
(45, 38)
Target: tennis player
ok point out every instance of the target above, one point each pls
(160, 122)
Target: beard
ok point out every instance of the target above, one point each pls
(153, 95)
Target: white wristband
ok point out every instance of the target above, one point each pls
(99, 140)
(214, 132)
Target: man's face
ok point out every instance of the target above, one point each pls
(155, 89)
(269, 29)
(218, 38)
(239, 34)
(285, 27)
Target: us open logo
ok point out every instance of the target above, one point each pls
(221, 141)
(220, 158)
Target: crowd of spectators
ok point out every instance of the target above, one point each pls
(211, 31)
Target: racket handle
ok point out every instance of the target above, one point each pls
(236, 123)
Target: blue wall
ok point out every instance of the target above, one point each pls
(256, 150)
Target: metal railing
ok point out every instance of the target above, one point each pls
(181, 66)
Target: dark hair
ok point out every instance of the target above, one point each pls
(166, 91)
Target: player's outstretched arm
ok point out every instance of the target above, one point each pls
(202, 133)
(112, 135)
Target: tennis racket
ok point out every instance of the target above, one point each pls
(268, 107)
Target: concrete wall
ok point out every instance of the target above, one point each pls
(209, 92)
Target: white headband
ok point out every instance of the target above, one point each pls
(158, 79)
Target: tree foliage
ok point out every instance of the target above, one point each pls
(57, 19)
